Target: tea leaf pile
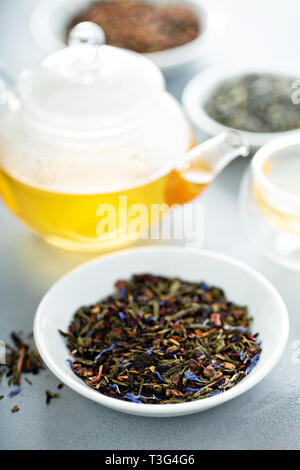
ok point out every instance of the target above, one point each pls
(162, 340)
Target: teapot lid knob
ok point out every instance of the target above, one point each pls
(85, 39)
(86, 33)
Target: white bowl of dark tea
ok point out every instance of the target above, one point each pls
(162, 331)
(169, 32)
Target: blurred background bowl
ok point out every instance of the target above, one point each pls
(200, 88)
(51, 18)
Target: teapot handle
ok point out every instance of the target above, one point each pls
(202, 164)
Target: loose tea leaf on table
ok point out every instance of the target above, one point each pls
(50, 395)
(22, 358)
(162, 340)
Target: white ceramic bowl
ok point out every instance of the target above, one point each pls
(50, 18)
(203, 84)
(94, 280)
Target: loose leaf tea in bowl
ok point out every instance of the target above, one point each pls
(255, 102)
(140, 25)
(162, 340)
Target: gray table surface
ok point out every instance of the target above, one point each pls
(268, 416)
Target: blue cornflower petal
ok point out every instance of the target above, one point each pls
(189, 389)
(15, 392)
(242, 354)
(204, 286)
(70, 363)
(89, 334)
(149, 319)
(192, 377)
(133, 398)
(113, 346)
(253, 363)
(149, 351)
(122, 293)
(159, 376)
(239, 328)
(137, 398)
(125, 365)
(122, 316)
(255, 359)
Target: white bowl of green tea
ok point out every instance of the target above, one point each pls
(171, 33)
(270, 201)
(255, 99)
(163, 374)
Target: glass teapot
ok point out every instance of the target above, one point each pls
(90, 137)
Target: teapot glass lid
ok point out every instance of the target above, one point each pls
(89, 85)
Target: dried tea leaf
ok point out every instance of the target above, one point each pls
(50, 395)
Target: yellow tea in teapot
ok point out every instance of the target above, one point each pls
(80, 221)
(97, 197)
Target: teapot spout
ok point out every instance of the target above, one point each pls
(202, 164)
(214, 155)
